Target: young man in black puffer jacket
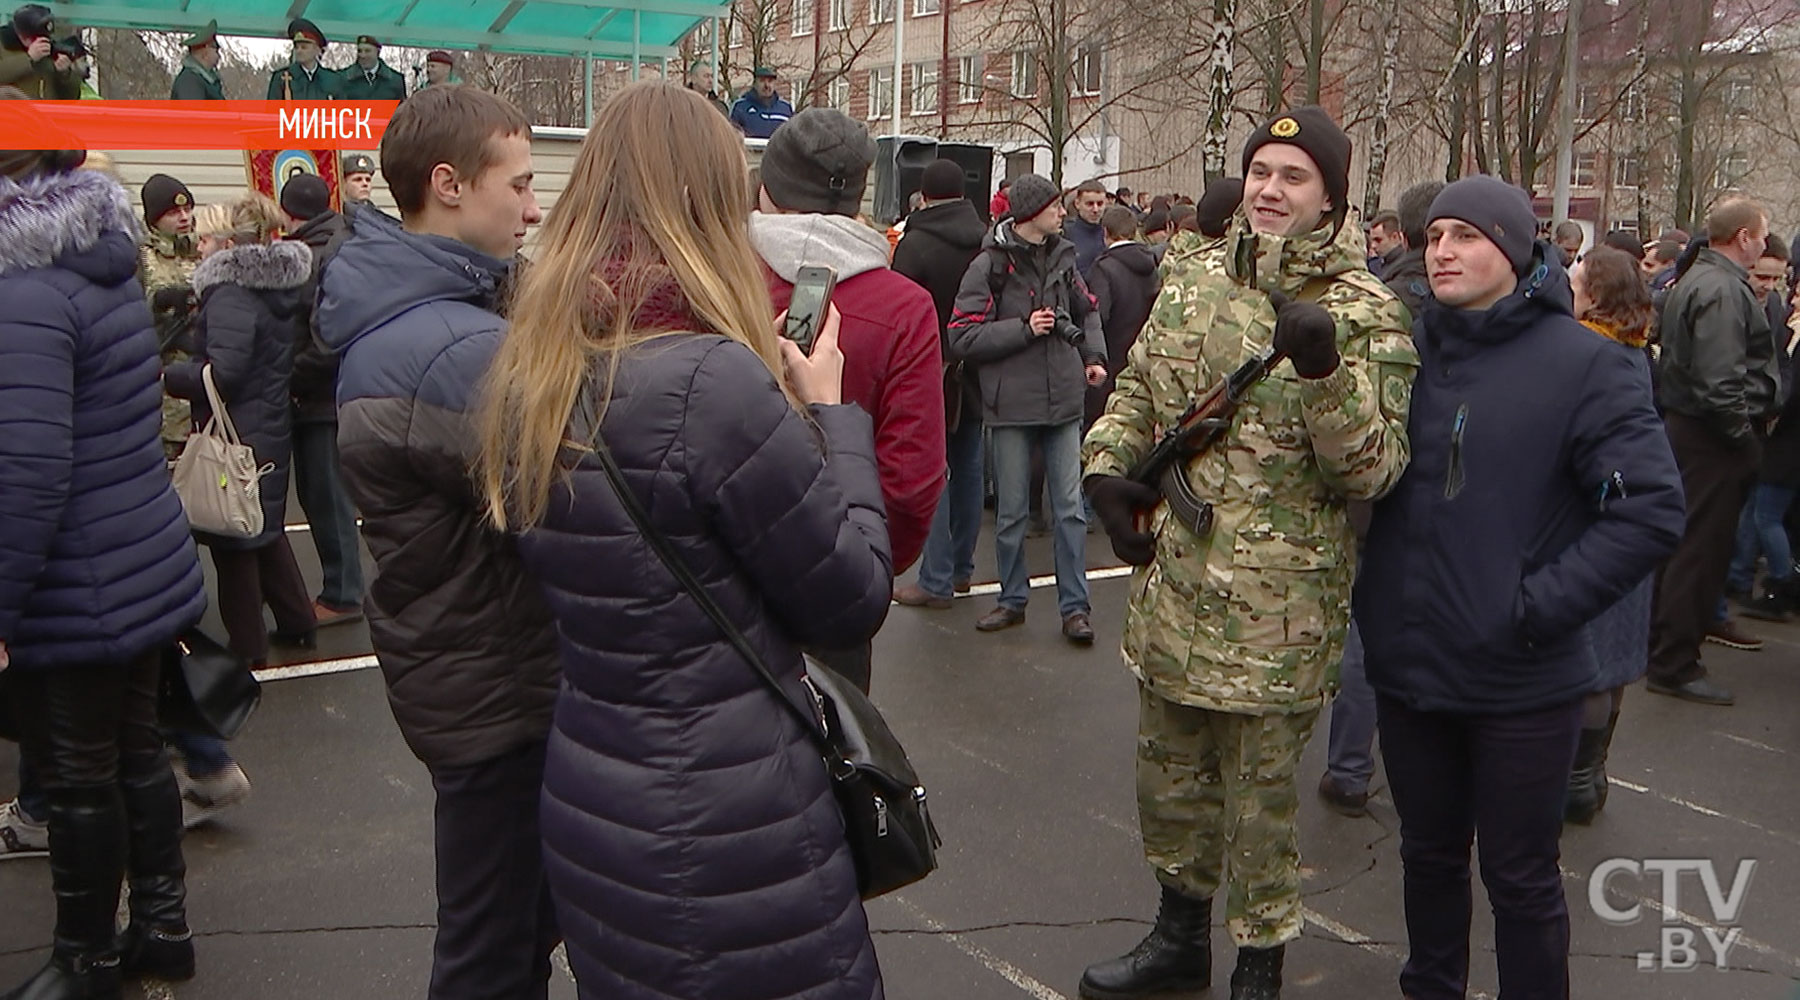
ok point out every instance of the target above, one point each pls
(1125, 285)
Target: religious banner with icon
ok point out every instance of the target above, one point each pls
(271, 169)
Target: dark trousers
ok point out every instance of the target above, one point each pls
(87, 726)
(1499, 781)
(319, 483)
(249, 578)
(496, 927)
(1716, 477)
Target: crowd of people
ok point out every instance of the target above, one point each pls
(1464, 505)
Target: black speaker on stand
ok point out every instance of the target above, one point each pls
(900, 162)
(977, 162)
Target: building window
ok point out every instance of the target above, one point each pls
(1088, 64)
(881, 11)
(803, 17)
(1627, 171)
(881, 93)
(736, 34)
(839, 15)
(1024, 73)
(969, 70)
(926, 8)
(924, 88)
(1587, 167)
(837, 93)
(1740, 96)
(1733, 169)
(1633, 110)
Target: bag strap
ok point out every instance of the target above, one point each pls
(698, 591)
(219, 413)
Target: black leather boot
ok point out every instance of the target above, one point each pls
(1582, 801)
(1258, 973)
(1176, 956)
(1600, 784)
(157, 943)
(87, 860)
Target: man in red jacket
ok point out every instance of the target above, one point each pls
(813, 174)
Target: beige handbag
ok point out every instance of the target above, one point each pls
(217, 478)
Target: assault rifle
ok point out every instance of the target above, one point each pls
(1201, 427)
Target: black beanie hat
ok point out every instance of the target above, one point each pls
(1218, 204)
(1029, 195)
(1311, 129)
(943, 180)
(161, 195)
(1501, 211)
(818, 161)
(305, 197)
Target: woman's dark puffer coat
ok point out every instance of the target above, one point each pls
(251, 314)
(96, 564)
(691, 838)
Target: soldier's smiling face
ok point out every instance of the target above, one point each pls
(1284, 193)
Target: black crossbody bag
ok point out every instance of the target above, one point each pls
(892, 839)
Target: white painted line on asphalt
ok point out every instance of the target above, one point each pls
(295, 671)
(1350, 935)
(992, 962)
(1733, 737)
(1049, 580)
(1703, 810)
(1669, 913)
(301, 528)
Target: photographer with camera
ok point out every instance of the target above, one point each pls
(32, 60)
(1025, 316)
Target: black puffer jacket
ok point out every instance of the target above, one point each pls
(250, 316)
(935, 251)
(315, 368)
(1125, 284)
(465, 644)
(691, 837)
(1406, 278)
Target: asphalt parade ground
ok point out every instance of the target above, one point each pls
(320, 885)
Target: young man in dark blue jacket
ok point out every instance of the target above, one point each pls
(1541, 490)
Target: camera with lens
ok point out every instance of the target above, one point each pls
(1067, 329)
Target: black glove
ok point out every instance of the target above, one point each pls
(1307, 334)
(171, 299)
(1117, 501)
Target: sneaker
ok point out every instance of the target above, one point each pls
(1730, 633)
(204, 798)
(20, 835)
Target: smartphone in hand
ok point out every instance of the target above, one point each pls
(807, 308)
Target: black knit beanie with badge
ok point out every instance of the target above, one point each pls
(1311, 129)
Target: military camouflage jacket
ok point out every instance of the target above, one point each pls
(1252, 619)
(161, 267)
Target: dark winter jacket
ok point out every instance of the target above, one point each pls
(758, 120)
(1542, 489)
(1781, 454)
(1406, 277)
(1089, 239)
(1125, 285)
(1025, 379)
(315, 368)
(96, 562)
(251, 313)
(1718, 362)
(892, 366)
(294, 83)
(465, 643)
(196, 83)
(383, 83)
(691, 837)
(40, 80)
(939, 243)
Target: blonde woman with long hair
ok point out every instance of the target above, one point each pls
(692, 844)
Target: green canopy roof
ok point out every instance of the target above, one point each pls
(618, 29)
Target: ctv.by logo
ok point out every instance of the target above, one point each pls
(1678, 952)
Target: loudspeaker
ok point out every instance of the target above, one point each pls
(977, 162)
(900, 161)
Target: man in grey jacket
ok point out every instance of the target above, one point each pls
(1719, 385)
(1025, 316)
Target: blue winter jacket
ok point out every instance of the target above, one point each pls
(96, 562)
(1542, 489)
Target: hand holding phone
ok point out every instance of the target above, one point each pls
(807, 307)
(818, 378)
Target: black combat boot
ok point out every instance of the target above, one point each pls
(1175, 956)
(1582, 801)
(1258, 973)
(157, 943)
(87, 860)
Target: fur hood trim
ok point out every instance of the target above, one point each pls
(46, 216)
(282, 264)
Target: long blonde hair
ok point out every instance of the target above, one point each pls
(658, 189)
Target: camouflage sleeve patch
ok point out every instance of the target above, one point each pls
(1357, 416)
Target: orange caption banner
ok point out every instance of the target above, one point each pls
(194, 124)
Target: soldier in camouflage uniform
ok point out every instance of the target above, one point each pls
(166, 264)
(1235, 636)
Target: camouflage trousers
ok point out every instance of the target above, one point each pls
(1217, 806)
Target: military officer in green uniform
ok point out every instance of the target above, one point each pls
(166, 263)
(370, 79)
(199, 76)
(304, 78)
(358, 171)
(1235, 631)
